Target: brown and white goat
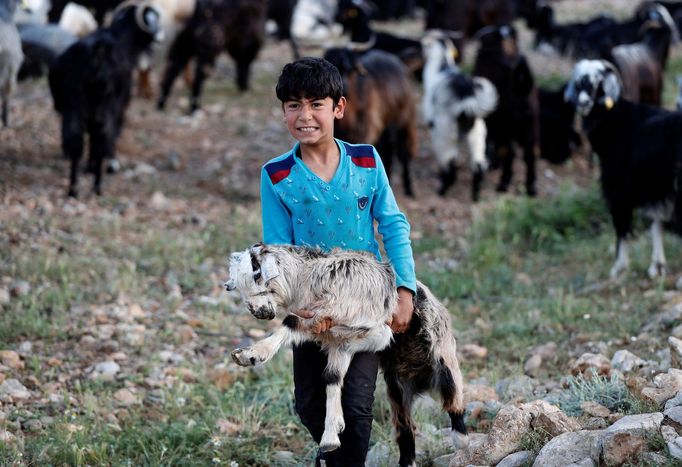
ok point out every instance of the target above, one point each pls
(381, 106)
(359, 294)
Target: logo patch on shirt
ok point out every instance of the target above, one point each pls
(362, 202)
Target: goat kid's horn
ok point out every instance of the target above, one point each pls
(147, 17)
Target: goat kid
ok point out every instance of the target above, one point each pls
(454, 107)
(359, 294)
(640, 154)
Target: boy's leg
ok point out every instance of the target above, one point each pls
(357, 398)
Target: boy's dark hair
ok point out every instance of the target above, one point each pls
(309, 78)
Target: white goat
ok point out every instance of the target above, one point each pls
(77, 20)
(454, 106)
(359, 294)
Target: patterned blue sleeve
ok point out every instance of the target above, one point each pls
(277, 228)
(394, 230)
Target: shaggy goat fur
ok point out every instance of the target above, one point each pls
(359, 294)
(640, 154)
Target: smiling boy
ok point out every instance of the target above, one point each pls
(327, 193)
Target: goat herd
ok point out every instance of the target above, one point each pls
(616, 85)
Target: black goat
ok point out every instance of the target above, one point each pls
(91, 84)
(515, 120)
(381, 106)
(558, 137)
(237, 26)
(640, 154)
(354, 16)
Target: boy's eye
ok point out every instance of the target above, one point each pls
(292, 106)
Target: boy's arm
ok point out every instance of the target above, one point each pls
(395, 232)
(277, 228)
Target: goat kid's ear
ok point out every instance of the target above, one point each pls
(612, 87)
(269, 268)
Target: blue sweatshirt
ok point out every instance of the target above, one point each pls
(300, 208)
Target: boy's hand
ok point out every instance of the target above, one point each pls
(403, 311)
(325, 324)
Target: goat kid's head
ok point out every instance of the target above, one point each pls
(251, 271)
(594, 84)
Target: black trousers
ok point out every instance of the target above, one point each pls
(357, 397)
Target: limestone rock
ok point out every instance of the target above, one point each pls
(626, 438)
(590, 363)
(675, 448)
(473, 352)
(594, 409)
(674, 414)
(569, 448)
(626, 361)
(479, 392)
(11, 359)
(517, 459)
(12, 390)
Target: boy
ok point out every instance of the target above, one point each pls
(328, 193)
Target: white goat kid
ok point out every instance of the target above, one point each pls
(286, 281)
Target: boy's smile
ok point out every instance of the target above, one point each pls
(311, 121)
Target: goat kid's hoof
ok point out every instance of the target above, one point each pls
(656, 270)
(245, 357)
(330, 443)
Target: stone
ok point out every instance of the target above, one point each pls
(105, 371)
(11, 359)
(550, 418)
(675, 346)
(461, 457)
(675, 448)
(675, 401)
(626, 438)
(479, 392)
(532, 365)
(473, 352)
(126, 397)
(589, 364)
(516, 386)
(594, 409)
(12, 390)
(517, 459)
(25, 348)
(20, 289)
(378, 455)
(669, 433)
(674, 414)
(626, 361)
(666, 386)
(569, 448)
(4, 296)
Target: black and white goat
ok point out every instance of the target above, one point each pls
(454, 107)
(359, 294)
(381, 106)
(11, 55)
(91, 85)
(516, 117)
(235, 26)
(640, 154)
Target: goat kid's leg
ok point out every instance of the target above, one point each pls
(176, 63)
(264, 350)
(448, 176)
(72, 145)
(475, 140)
(451, 388)
(622, 262)
(506, 155)
(337, 367)
(657, 267)
(5, 111)
(401, 395)
(529, 156)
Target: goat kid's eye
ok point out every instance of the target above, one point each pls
(256, 276)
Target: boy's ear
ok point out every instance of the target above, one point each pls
(340, 108)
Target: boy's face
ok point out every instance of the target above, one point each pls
(311, 121)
